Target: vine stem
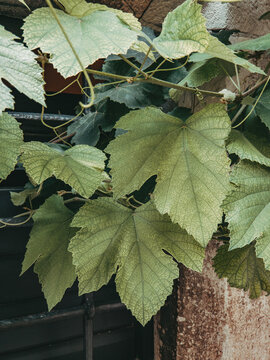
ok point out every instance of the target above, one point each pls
(253, 107)
(155, 81)
(76, 56)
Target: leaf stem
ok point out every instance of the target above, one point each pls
(133, 65)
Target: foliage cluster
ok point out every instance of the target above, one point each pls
(159, 185)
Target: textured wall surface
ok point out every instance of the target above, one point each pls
(211, 320)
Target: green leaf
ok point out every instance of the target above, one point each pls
(183, 32)
(249, 147)
(47, 248)
(262, 247)
(11, 138)
(87, 128)
(115, 239)
(259, 44)
(243, 269)
(218, 50)
(263, 108)
(204, 71)
(81, 167)
(19, 198)
(81, 8)
(247, 207)
(19, 67)
(93, 36)
(189, 159)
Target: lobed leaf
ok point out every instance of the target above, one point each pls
(19, 67)
(183, 32)
(189, 159)
(81, 167)
(115, 239)
(11, 138)
(93, 36)
(243, 269)
(47, 249)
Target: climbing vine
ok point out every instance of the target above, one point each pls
(166, 179)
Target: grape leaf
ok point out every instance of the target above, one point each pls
(81, 167)
(93, 36)
(115, 239)
(216, 49)
(11, 138)
(87, 128)
(81, 8)
(263, 108)
(204, 71)
(47, 248)
(19, 198)
(19, 67)
(247, 206)
(249, 147)
(183, 32)
(259, 44)
(189, 159)
(243, 269)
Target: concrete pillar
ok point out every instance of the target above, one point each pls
(206, 319)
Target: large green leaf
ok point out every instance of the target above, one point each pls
(259, 44)
(263, 108)
(11, 138)
(188, 157)
(47, 248)
(249, 147)
(115, 239)
(247, 207)
(243, 269)
(81, 167)
(19, 67)
(183, 32)
(81, 8)
(93, 37)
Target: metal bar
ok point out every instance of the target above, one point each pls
(88, 326)
(36, 116)
(31, 320)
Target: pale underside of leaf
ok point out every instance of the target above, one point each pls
(243, 269)
(93, 37)
(81, 8)
(189, 159)
(247, 207)
(47, 248)
(116, 239)
(183, 32)
(81, 166)
(19, 67)
(11, 138)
